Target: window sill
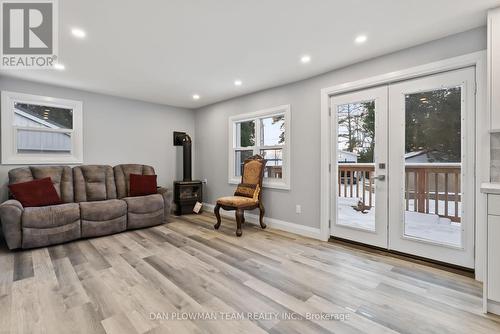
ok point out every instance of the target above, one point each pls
(41, 160)
(266, 184)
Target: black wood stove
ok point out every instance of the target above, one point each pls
(186, 192)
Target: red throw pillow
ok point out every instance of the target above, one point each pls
(39, 192)
(141, 185)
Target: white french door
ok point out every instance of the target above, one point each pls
(359, 132)
(404, 166)
(431, 193)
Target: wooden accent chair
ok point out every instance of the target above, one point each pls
(248, 194)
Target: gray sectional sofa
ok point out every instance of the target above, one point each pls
(95, 203)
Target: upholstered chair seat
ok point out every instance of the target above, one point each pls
(247, 195)
(237, 201)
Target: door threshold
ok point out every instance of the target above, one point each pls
(467, 272)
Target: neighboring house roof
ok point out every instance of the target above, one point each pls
(36, 118)
(349, 153)
(422, 157)
(414, 154)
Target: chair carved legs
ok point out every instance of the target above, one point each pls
(240, 218)
(217, 214)
(261, 215)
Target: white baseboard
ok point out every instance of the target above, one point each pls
(302, 230)
(493, 307)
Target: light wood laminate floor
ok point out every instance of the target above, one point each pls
(132, 281)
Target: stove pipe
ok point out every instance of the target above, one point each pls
(186, 154)
(183, 139)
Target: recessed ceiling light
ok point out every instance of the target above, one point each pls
(77, 32)
(238, 82)
(360, 39)
(305, 59)
(59, 66)
(196, 97)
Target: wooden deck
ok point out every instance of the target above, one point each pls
(113, 284)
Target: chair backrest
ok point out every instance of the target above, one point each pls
(253, 173)
(122, 176)
(62, 178)
(94, 183)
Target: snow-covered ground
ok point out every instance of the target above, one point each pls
(421, 225)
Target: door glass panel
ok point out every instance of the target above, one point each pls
(432, 195)
(356, 165)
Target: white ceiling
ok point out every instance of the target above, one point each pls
(165, 51)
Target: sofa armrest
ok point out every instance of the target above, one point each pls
(11, 213)
(167, 199)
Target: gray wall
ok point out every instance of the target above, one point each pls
(118, 130)
(304, 97)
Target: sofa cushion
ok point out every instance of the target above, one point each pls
(103, 217)
(142, 185)
(145, 211)
(61, 176)
(35, 237)
(94, 183)
(42, 226)
(50, 216)
(103, 210)
(39, 192)
(122, 176)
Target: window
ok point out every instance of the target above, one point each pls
(265, 132)
(40, 130)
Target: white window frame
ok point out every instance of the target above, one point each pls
(284, 182)
(10, 156)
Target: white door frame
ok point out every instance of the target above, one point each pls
(477, 59)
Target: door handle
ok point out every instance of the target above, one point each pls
(379, 177)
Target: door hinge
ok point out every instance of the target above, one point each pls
(329, 168)
(329, 111)
(475, 87)
(329, 223)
